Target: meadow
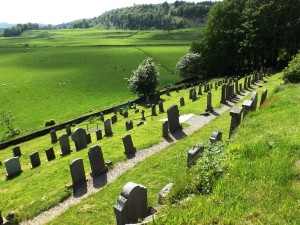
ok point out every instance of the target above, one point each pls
(63, 74)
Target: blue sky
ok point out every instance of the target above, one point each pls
(59, 11)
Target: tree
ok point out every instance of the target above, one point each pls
(292, 72)
(7, 120)
(144, 79)
(190, 66)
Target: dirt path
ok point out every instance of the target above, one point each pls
(94, 185)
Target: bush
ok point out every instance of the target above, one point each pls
(291, 73)
(7, 120)
(49, 123)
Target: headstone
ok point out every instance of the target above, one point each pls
(173, 119)
(200, 89)
(114, 119)
(241, 87)
(88, 138)
(247, 106)
(254, 100)
(165, 129)
(168, 92)
(53, 136)
(161, 107)
(17, 151)
(182, 103)
(101, 116)
(107, 128)
(68, 129)
(236, 117)
(134, 105)
(228, 94)
(209, 107)
(164, 193)
(50, 154)
(191, 92)
(263, 96)
(223, 94)
(129, 125)
(79, 138)
(96, 161)
(215, 137)
(77, 172)
(128, 145)
(194, 97)
(132, 204)
(98, 135)
(249, 82)
(245, 82)
(143, 115)
(236, 84)
(153, 110)
(136, 111)
(13, 167)
(125, 114)
(194, 154)
(35, 160)
(64, 145)
(140, 123)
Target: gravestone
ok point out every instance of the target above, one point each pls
(128, 145)
(77, 172)
(136, 110)
(79, 138)
(236, 84)
(114, 119)
(263, 96)
(168, 92)
(134, 105)
(96, 161)
(247, 106)
(164, 193)
(232, 91)
(125, 114)
(173, 119)
(181, 100)
(17, 151)
(13, 167)
(254, 99)
(245, 82)
(191, 92)
(132, 204)
(241, 87)
(194, 97)
(249, 82)
(107, 128)
(101, 115)
(200, 89)
(209, 107)
(228, 95)
(143, 115)
(50, 154)
(153, 110)
(215, 137)
(161, 107)
(88, 138)
(194, 154)
(165, 129)
(64, 145)
(68, 129)
(129, 125)
(236, 117)
(35, 160)
(98, 135)
(53, 136)
(223, 94)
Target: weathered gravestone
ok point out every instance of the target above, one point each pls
(223, 94)
(132, 204)
(168, 92)
(114, 119)
(50, 154)
(245, 82)
(77, 172)
(236, 117)
(200, 89)
(164, 193)
(173, 119)
(17, 151)
(247, 106)
(194, 154)
(263, 96)
(153, 110)
(107, 128)
(128, 145)
(64, 145)
(79, 138)
(96, 161)
(35, 160)
(68, 129)
(181, 100)
(98, 135)
(228, 94)
(53, 136)
(161, 107)
(13, 167)
(254, 100)
(209, 107)
(215, 137)
(165, 129)
(88, 138)
(129, 125)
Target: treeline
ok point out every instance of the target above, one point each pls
(165, 16)
(245, 35)
(19, 28)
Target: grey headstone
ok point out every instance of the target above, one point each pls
(107, 128)
(101, 116)
(223, 94)
(77, 172)
(164, 193)
(161, 107)
(209, 107)
(68, 129)
(88, 138)
(247, 106)
(263, 96)
(98, 135)
(50, 154)
(96, 161)
(236, 117)
(128, 145)
(236, 84)
(254, 100)
(228, 94)
(153, 110)
(240, 87)
(215, 137)
(35, 160)
(182, 103)
(17, 151)
(129, 125)
(200, 89)
(79, 138)
(64, 145)
(194, 96)
(245, 82)
(53, 136)
(173, 119)
(194, 154)
(165, 129)
(13, 167)
(132, 204)
(114, 119)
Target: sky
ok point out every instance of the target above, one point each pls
(60, 11)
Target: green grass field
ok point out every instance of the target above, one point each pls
(62, 74)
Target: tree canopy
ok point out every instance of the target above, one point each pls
(19, 29)
(190, 66)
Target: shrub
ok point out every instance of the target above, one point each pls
(7, 119)
(49, 123)
(291, 73)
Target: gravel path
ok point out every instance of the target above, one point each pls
(94, 185)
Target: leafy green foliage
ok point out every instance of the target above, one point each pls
(190, 65)
(144, 79)
(49, 123)
(292, 72)
(7, 119)
(19, 29)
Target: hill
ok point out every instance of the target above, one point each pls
(6, 25)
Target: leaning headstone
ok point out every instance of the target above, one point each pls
(35, 160)
(17, 151)
(79, 138)
(53, 136)
(107, 128)
(13, 167)
(165, 129)
(77, 172)
(245, 82)
(153, 110)
(236, 117)
(88, 138)
(161, 107)
(129, 125)
(132, 204)
(64, 145)
(263, 96)
(240, 87)
(181, 100)
(68, 129)
(96, 161)
(128, 145)
(173, 119)
(164, 193)
(194, 154)
(249, 82)
(209, 107)
(50, 154)
(98, 135)
(215, 137)
(254, 99)
(114, 119)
